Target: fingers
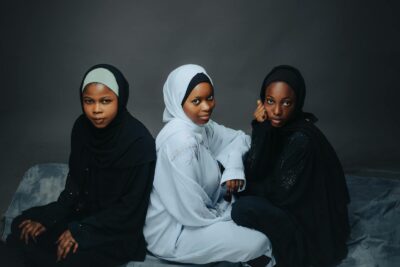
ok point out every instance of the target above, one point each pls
(32, 233)
(75, 247)
(37, 230)
(40, 230)
(234, 185)
(260, 113)
(61, 238)
(66, 243)
(63, 249)
(229, 186)
(26, 232)
(59, 252)
(66, 250)
(24, 229)
(241, 183)
(24, 223)
(30, 229)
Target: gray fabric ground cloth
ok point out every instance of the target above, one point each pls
(374, 215)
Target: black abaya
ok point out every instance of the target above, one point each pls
(106, 195)
(296, 190)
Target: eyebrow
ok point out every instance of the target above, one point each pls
(202, 96)
(286, 98)
(87, 96)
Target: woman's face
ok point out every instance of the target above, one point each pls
(200, 103)
(279, 103)
(100, 104)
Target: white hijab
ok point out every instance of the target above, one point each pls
(175, 89)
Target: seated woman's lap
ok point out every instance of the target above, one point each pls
(43, 252)
(260, 214)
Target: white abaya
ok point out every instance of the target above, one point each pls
(188, 220)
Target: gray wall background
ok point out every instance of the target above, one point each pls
(348, 52)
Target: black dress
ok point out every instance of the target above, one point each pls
(103, 207)
(296, 194)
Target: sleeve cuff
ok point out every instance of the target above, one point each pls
(233, 174)
(78, 233)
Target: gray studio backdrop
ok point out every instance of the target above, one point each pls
(348, 52)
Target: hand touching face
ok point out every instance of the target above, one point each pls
(260, 114)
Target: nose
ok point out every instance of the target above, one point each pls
(97, 108)
(206, 106)
(277, 110)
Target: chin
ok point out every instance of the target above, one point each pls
(99, 126)
(202, 122)
(277, 125)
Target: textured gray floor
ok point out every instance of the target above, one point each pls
(374, 214)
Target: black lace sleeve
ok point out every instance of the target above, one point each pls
(290, 176)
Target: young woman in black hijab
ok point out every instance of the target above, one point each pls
(98, 218)
(296, 189)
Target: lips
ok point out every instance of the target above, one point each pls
(276, 121)
(205, 117)
(98, 120)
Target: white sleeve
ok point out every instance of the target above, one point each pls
(176, 176)
(229, 146)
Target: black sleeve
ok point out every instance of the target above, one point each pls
(50, 214)
(124, 218)
(291, 175)
(259, 135)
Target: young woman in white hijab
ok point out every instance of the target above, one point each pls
(188, 219)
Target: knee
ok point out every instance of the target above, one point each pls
(243, 211)
(256, 246)
(239, 214)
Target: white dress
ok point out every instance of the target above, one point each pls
(188, 220)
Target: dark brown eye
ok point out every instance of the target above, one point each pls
(287, 103)
(269, 101)
(196, 101)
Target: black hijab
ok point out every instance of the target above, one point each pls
(293, 77)
(198, 78)
(112, 146)
(273, 141)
